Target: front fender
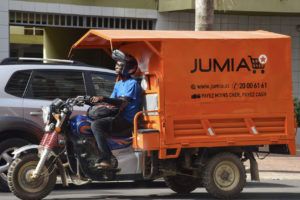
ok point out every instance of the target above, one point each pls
(18, 151)
(60, 166)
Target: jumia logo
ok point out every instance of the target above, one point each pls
(230, 65)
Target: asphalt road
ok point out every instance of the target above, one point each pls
(264, 190)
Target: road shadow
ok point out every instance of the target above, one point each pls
(147, 197)
(281, 171)
(267, 185)
(172, 195)
(156, 184)
(193, 196)
(270, 195)
(115, 185)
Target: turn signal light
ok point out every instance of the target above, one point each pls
(57, 129)
(56, 116)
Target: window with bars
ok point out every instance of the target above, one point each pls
(32, 30)
(79, 21)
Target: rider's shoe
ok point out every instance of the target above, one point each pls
(104, 164)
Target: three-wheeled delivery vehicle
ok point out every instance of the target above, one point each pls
(210, 101)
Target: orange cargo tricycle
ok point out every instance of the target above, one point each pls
(211, 100)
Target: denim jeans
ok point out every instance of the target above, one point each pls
(108, 126)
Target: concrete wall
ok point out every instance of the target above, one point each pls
(4, 30)
(175, 21)
(17, 36)
(236, 6)
(97, 10)
(140, 4)
(259, 6)
(57, 41)
(298, 137)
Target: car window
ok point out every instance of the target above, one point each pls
(17, 83)
(103, 84)
(57, 84)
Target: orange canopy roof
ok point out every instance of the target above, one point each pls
(105, 38)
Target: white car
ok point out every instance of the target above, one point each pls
(27, 84)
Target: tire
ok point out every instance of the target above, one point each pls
(182, 184)
(6, 157)
(19, 183)
(224, 176)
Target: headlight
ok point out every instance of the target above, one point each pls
(46, 113)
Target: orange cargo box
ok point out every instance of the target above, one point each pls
(208, 89)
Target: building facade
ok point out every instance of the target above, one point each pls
(48, 27)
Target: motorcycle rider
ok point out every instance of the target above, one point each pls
(126, 94)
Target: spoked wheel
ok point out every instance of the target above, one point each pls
(21, 182)
(224, 176)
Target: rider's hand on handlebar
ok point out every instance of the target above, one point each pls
(96, 99)
(80, 103)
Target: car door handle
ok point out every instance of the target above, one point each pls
(36, 113)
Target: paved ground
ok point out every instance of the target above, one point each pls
(280, 180)
(264, 190)
(279, 167)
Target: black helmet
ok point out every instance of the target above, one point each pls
(130, 63)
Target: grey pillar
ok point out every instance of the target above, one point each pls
(4, 29)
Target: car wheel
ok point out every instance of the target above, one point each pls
(6, 158)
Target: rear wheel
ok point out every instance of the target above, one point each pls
(6, 157)
(224, 176)
(182, 184)
(22, 184)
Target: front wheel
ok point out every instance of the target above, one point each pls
(22, 184)
(224, 176)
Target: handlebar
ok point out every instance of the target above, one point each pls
(70, 102)
(78, 101)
